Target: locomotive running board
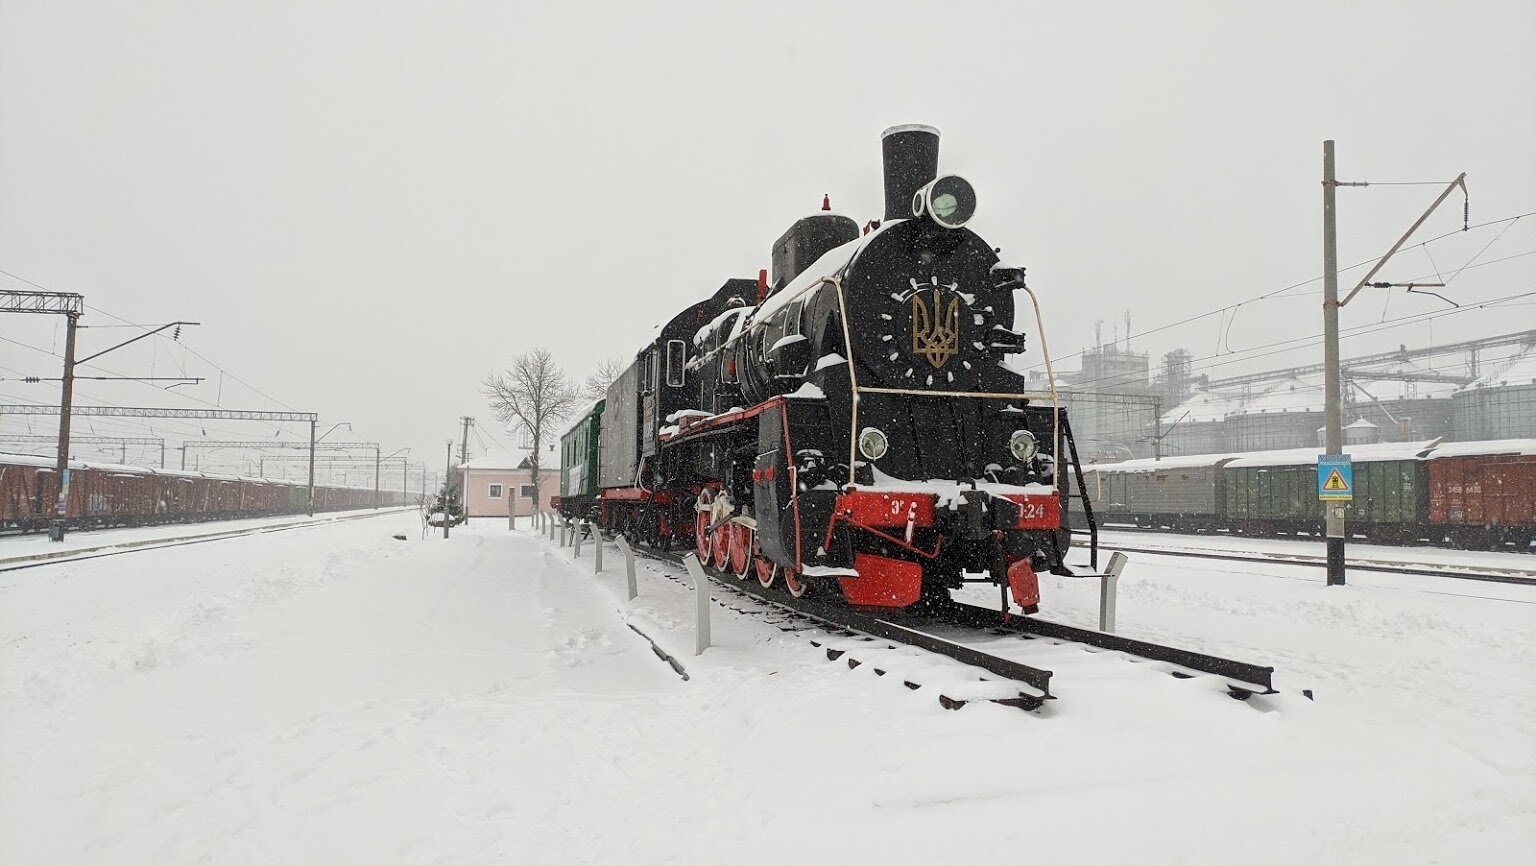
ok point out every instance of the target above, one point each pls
(1243, 679)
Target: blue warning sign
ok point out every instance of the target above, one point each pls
(1335, 477)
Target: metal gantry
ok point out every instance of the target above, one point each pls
(28, 439)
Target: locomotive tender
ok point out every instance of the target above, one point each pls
(846, 425)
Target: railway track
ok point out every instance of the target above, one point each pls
(1510, 575)
(859, 638)
(70, 556)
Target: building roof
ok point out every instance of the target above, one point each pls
(503, 459)
(1203, 407)
(1296, 394)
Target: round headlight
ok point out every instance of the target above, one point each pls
(1023, 445)
(949, 200)
(872, 443)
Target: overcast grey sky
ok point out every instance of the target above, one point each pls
(370, 206)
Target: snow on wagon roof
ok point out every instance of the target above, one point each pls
(1147, 464)
(1359, 454)
(1523, 447)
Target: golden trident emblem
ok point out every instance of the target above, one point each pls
(935, 333)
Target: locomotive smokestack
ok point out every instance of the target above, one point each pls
(911, 160)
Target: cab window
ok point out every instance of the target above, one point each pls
(677, 357)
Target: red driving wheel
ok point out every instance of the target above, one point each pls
(722, 543)
(797, 585)
(741, 550)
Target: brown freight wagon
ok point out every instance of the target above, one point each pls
(1485, 500)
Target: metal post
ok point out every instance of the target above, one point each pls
(376, 463)
(629, 566)
(313, 423)
(1108, 585)
(1333, 425)
(66, 400)
(701, 597)
(576, 540)
(597, 562)
(562, 533)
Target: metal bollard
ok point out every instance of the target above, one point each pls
(629, 564)
(562, 533)
(597, 562)
(576, 540)
(701, 595)
(1107, 587)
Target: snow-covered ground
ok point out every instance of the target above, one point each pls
(333, 695)
(1313, 549)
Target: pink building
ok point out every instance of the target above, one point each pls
(501, 480)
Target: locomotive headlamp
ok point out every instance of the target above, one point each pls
(1023, 445)
(950, 201)
(872, 443)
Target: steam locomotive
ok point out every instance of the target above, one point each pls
(845, 425)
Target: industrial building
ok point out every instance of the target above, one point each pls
(1121, 410)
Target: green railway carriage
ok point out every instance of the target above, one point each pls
(578, 462)
(1265, 493)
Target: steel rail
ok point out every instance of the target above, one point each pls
(843, 619)
(1243, 679)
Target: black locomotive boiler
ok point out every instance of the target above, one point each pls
(847, 424)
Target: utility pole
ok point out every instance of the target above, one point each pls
(376, 463)
(464, 458)
(1336, 496)
(1333, 422)
(447, 474)
(66, 400)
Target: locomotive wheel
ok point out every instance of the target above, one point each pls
(767, 569)
(741, 550)
(797, 585)
(701, 533)
(722, 544)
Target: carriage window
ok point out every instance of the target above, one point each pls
(677, 356)
(652, 368)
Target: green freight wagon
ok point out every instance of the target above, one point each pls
(1276, 492)
(578, 464)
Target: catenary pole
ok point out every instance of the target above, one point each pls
(66, 401)
(313, 423)
(1333, 427)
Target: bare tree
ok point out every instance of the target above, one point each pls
(533, 395)
(608, 372)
